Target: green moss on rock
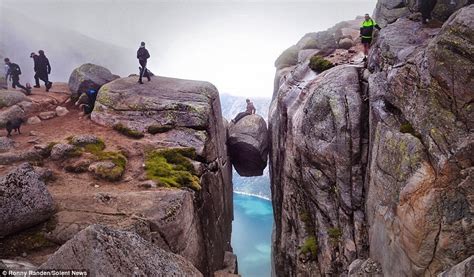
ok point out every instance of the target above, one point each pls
(172, 168)
(156, 129)
(310, 246)
(407, 128)
(335, 234)
(127, 131)
(117, 158)
(319, 64)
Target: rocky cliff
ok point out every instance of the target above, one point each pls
(150, 171)
(376, 162)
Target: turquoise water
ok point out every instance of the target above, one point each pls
(251, 235)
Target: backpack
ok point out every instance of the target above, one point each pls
(14, 69)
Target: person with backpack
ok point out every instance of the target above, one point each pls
(366, 33)
(43, 69)
(142, 56)
(87, 102)
(14, 72)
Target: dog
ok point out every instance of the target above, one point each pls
(14, 124)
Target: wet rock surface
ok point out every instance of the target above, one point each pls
(248, 145)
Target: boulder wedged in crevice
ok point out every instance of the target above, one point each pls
(248, 145)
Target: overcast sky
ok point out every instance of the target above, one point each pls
(232, 44)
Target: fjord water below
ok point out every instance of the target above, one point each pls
(251, 235)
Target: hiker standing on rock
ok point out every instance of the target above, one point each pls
(142, 56)
(249, 110)
(366, 33)
(14, 72)
(42, 70)
(35, 68)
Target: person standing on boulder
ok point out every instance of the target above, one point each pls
(43, 69)
(142, 56)
(248, 111)
(14, 72)
(366, 33)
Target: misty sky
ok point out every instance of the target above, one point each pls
(232, 44)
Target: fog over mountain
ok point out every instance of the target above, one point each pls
(232, 44)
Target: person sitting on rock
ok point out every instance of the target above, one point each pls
(366, 33)
(250, 110)
(43, 69)
(426, 7)
(14, 71)
(142, 56)
(86, 101)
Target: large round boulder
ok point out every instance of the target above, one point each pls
(89, 76)
(248, 145)
(11, 97)
(25, 200)
(102, 251)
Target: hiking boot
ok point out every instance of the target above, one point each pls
(149, 79)
(140, 82)
(50, 84)
(36, 86)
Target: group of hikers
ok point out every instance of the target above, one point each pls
(41, 67)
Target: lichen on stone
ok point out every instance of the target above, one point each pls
(124, 130)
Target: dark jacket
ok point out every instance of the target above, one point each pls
(35, 63)
(43, 64)
(142, 54)
(13, 70)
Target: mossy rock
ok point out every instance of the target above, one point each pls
(97, 148)
(310, 247)
(407, 128)
(335, 234)
(128, 132)
(112, 173)
(156, 129)
(172, 168)
(319, 64)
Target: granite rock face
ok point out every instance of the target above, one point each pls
(25, 200)
(377, 164)
(107, 252)
(317, 173)
(89, 76)
(388, 11)
(248, 145)
(418, 197)
(187, 114)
